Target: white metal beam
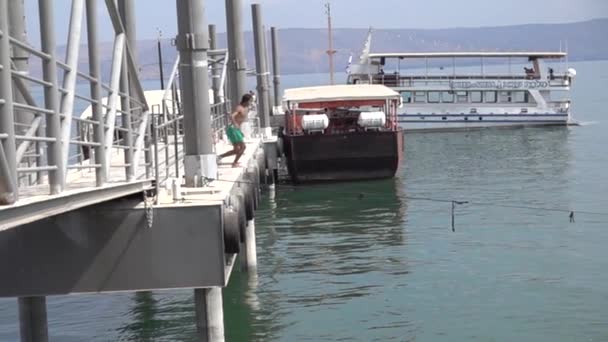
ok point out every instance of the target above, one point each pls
(69, 78)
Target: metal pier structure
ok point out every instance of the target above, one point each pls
(127, 195)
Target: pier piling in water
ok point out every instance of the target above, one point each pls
(249, 257)
(32, 319)
(208, 306)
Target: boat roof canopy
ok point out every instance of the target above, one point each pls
(470, 54)
(340, 93)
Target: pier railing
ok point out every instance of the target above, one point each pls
(44, 144)
(47, 147)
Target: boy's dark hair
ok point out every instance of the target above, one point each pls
(246, 98)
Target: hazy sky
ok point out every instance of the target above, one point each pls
(352, 13)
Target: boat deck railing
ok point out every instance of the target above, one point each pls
(397, 80)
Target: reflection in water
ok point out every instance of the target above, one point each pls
(160, 316)
(317, 249)
(143, 325)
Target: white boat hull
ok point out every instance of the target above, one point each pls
(465, 121)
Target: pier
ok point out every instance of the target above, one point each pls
(129, 194)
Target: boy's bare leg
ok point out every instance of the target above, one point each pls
(239, 153)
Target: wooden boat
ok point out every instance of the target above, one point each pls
(342, 132)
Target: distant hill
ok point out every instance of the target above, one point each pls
(303, 50)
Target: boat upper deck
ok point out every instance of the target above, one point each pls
(477, 54)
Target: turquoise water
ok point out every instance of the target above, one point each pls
(367, 262)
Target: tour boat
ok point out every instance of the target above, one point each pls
(456, 90)
(342, 132)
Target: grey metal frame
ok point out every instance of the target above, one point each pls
(54, 126)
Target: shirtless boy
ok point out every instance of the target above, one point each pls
(233, 131)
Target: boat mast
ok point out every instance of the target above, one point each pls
(160, 58)
(330, 51)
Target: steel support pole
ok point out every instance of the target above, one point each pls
(125, 118)
(20, 57)
(267, 61)
(161, 68)
(110, 118)
(51, 95)
(97, 109)
(125, 100)
(216, 71)
(209, 313)
(69, 78)
(128, 18)
(236, 50)
(32, 319)
(275, 67)
(8, 185)
(230, 63)
(193, 43)
(261, 69)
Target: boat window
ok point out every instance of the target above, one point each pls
(462, 97)
(520, 97)
(490, 96)
(447, 96)
(406, 96)
(419, 96)
(433, 96)
(475, 96)
(505, 96)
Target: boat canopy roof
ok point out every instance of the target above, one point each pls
(470, 54)
(340, 93)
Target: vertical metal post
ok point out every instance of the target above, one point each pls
(32, 319)
(331, 50)
(20, 57)
(215, 69)
(275, 67)
(125, 100)
(7, 124)
(193, 44)
(175, 128)
(110, 118)
(69, 79)
(209, 313)
(267, 76)
(97, 109)
(51, 95)
(261, 69)
(127, 14)
(161, 69)
(231, 62)
(236, 50)
(125, 118)
(126, 9)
